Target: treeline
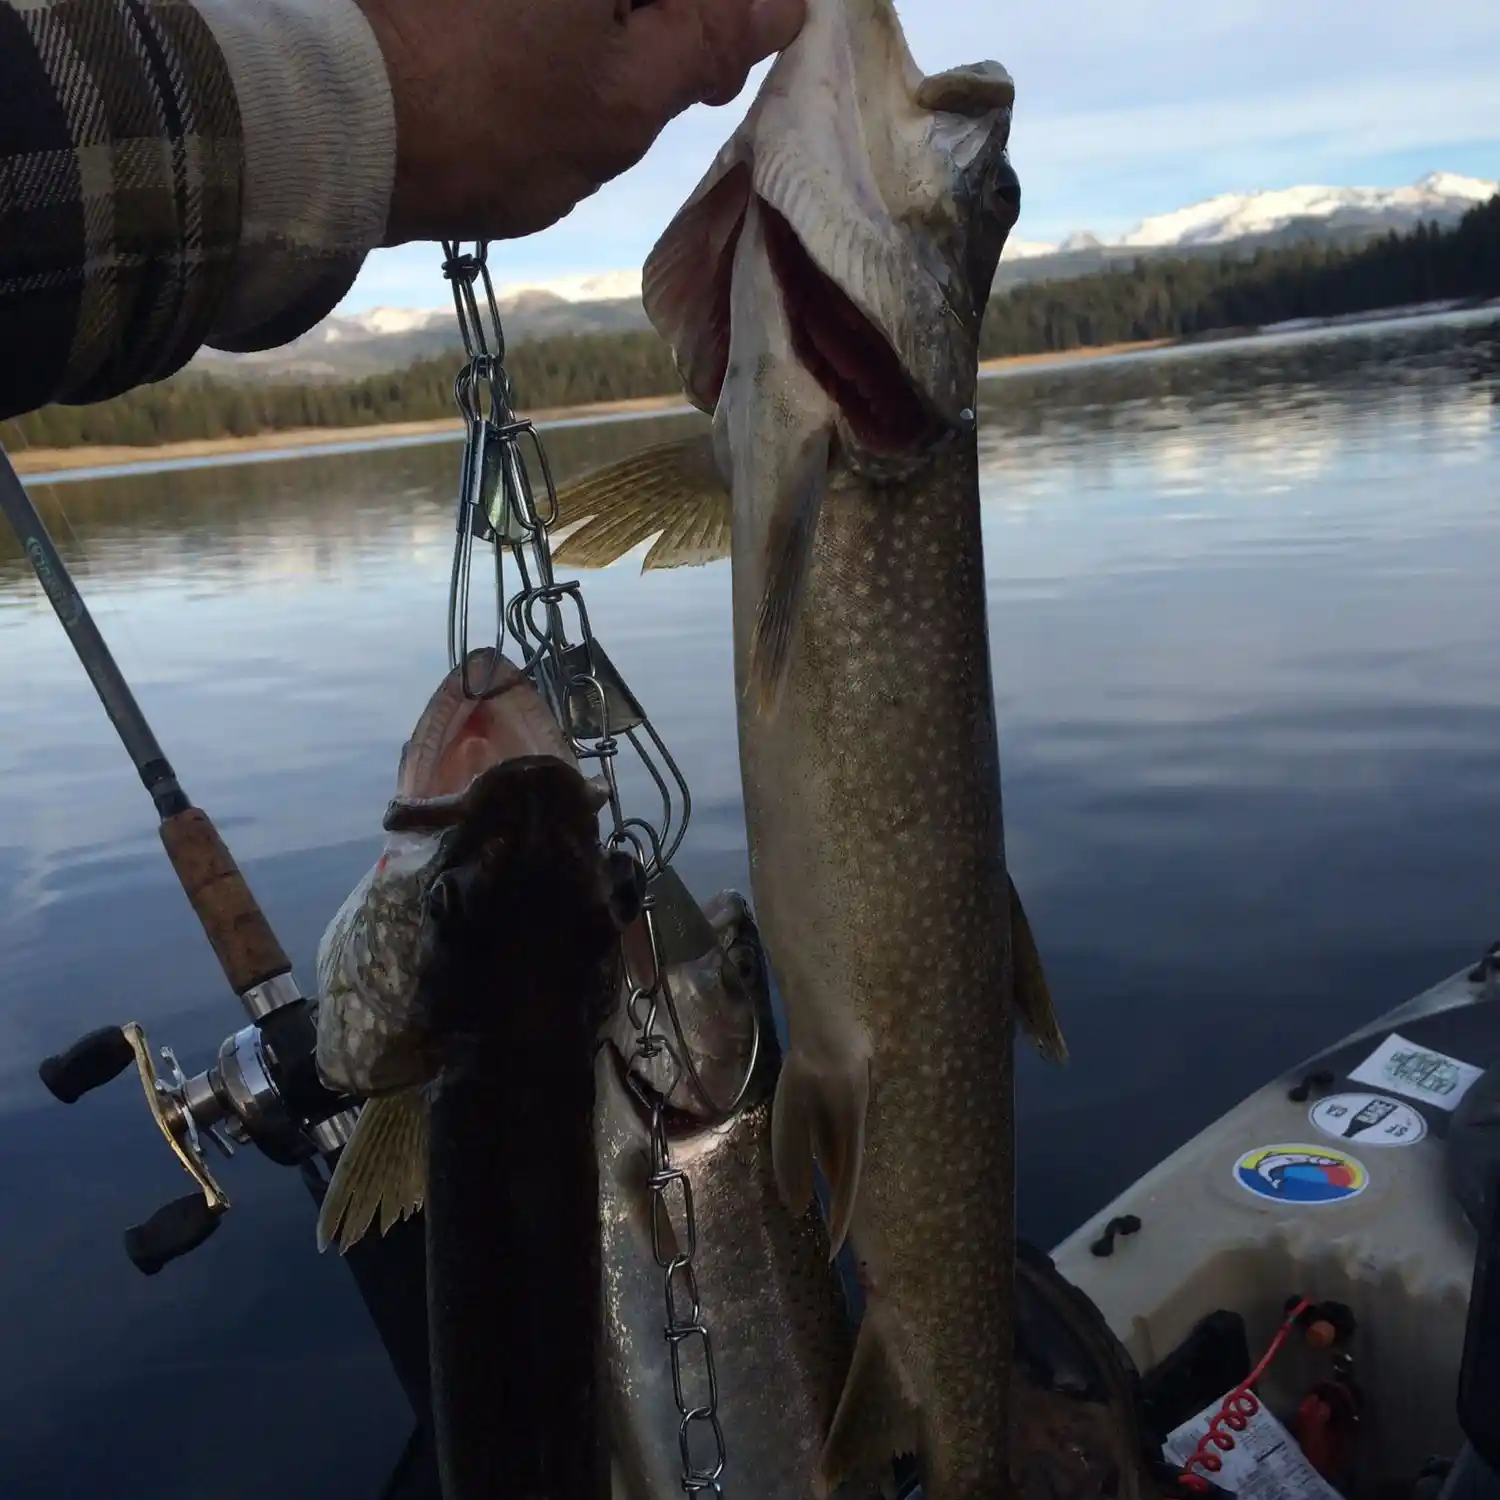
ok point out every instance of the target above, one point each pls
(569, 371)
(1155, 299)
(1163, 299)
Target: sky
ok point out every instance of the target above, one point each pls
(1124, 109)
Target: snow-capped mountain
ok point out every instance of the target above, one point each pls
(379, 322)
(349, 345)
(608, 286)
(1026, 249)
(1249, 220)
(1444, 196)
(383, 338)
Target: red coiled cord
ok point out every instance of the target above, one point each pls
(1236, 1410)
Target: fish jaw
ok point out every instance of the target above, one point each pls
(721, 1005)
(888, 196)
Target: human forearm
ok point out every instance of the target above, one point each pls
(120, 174)
(181, 172)
(319, 160)
(174, 174)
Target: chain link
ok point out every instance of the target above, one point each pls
(498, 507)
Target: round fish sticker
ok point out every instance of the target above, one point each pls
(1370, 1119)
(1300, 1174)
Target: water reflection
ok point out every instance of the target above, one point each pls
(1245, 635)
(305, 514)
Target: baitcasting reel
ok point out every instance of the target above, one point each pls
(262, 1089)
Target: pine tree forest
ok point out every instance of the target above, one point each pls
(1155, 299)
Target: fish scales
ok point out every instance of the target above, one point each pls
(822, 291)
(781, 1334)
(877, 859)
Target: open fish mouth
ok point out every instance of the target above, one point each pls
(880, 199)
(844, 351)
(645, 1099)
(840, 346)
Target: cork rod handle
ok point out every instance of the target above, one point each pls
(242, 939)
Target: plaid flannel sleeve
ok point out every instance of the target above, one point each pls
(121, 167)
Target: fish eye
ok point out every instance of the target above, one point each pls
(1007, 186)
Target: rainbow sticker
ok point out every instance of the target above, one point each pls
(1301, 1174)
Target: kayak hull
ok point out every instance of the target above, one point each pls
(1332, 1182)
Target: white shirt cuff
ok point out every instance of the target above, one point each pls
(320, 160)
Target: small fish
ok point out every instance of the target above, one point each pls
(774, 1305)
(822, 291)
(372, 1038)
(776, 1309)
(488, 933)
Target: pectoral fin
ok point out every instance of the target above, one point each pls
(790, 531)
(819, 1116)
(383, 1170)
(1033, 997)
(877, 1415)
(672, 491)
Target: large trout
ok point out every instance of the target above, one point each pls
(822, 291)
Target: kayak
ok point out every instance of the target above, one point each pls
(1361, 1183)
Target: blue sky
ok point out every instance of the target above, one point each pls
(1124, 108)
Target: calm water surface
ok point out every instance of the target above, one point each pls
(1246, 635)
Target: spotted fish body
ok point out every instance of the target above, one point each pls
(782, 1337)
(822, 290)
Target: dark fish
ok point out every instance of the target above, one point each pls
(517, 973)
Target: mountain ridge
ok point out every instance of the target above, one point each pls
(346, 345)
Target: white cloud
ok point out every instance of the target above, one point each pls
(1125, 108)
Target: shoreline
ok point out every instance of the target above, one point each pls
(56, 460)
(294, 442)
(311, 439)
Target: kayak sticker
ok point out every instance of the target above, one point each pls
(1399, 1067)
(1369, 1119)
(1301, 1174)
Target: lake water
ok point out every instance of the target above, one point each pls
(1246, 634)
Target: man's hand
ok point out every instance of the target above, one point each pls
(509, 112)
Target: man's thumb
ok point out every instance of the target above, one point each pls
(774, 25)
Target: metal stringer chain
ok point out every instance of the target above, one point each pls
(497, 506)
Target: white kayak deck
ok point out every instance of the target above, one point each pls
(1285, 1196)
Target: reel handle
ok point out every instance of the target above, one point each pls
(174, 1230)
(90, 1063)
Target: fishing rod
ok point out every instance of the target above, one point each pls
(263, 1087)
